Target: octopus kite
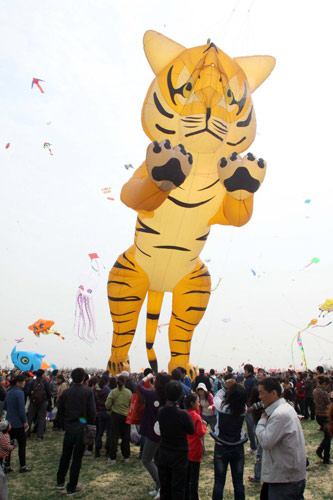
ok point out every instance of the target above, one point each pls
(199, 115)
(84, 323)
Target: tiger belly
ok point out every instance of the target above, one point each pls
(168, 244)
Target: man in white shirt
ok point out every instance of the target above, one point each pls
(281, 436)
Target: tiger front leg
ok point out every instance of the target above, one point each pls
(168, 167)
(241, 177)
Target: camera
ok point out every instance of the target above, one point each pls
(259, 405)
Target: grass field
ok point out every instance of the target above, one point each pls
(132, 482)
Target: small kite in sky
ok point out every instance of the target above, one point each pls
(19, 340)
(159, 327)
(314, 260)
(128, 166)
(94, 262)
(7, 145)
(107, 190)
(307, 201)
(326, 307)
(43, 326)
(35, 81)
(47, 145)
(48, 123)
(218, 283)
(253, 272)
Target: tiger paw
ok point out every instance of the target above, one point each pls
(116, 366)
(168, 167)
(241, 176)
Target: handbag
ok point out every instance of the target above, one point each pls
(136, 408)
(89, 430)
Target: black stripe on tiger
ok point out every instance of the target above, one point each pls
(187, 322)
(203, 238)
(188, 205)
(127, 298)
(160, 107)
(123, 345)
(196, 309)
(120, 266)
(118, 322)
(149, 345)
(180, 340)
(124, 255)
(145, 229)
(172, 247)
(129, 332)
(120, 283)
(185, 329)
(197, 270)
(210, 185)
(123, 314)
(144, 253)
(247, 121)
(175, 354)
(200, 275)
(196, 291)
(152, 316)
(164, 130)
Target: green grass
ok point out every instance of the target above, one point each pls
(132, 482)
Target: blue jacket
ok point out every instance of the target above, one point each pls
(14, 404)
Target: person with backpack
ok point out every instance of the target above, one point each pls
(75, 406)
(39, 393)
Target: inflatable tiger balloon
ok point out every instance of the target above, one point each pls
(199, 114)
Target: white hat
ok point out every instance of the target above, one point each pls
(202, 386)
(4, 425)
(123, 374)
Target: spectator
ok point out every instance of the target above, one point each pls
(300, 394)
(5, 446)
(155, 398)
(322, 401)
(250, 382)
(195, 445)
(308, 401)
(202, 378)
(14, 404)
(218, 384)
(280, 434)
(74, 405)
(229, 442)
(103, 418)
(117, 403)
(174, 424)
(39, 393)
(207, 408)
(129, 383)
(2, 395)
(229, 373)
(176, 374)
(185, 378)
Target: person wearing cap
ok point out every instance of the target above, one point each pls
(14, 405)
(202, 378)
(207, 408)
(129, 384)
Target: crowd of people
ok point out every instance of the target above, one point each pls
(262, 408)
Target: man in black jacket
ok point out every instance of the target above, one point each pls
(250, 382)
(76, 406)
(39, 392)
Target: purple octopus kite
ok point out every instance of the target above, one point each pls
(84, 323)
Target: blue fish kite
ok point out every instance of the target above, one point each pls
(29, 361)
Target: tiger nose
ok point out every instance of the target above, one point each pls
(207, 88)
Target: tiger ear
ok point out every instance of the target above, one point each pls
(160, 50)
(256, 69)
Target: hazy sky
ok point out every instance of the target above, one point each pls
(53, 212)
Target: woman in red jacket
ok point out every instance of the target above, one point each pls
(191, 403)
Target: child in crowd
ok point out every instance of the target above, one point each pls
(5, 446)
(195, 453)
